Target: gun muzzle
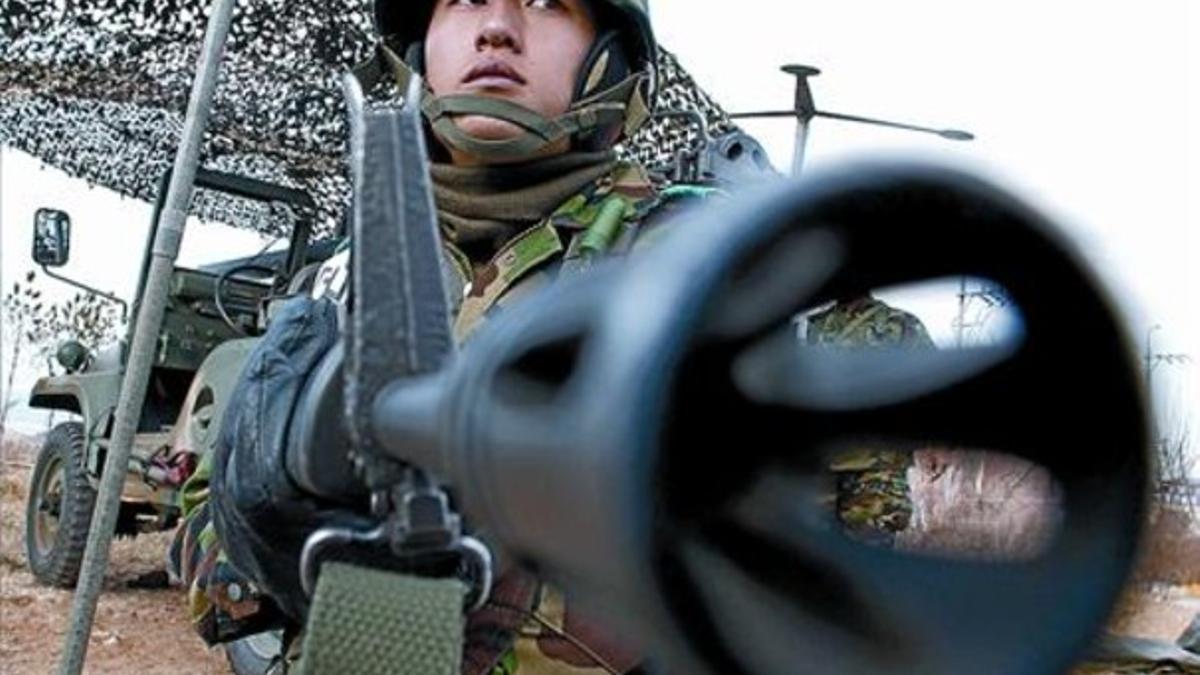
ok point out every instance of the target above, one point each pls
(642, 434)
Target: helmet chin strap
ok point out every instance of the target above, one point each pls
(538, 132)
(621, 106)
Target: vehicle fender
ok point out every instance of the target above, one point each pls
(199, 420)
(92, 396)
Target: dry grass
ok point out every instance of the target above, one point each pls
(10, 485)
(17, 448)
(136, 632)
(1171, 551)
(1169, 567)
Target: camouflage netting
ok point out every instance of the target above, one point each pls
(98, 88)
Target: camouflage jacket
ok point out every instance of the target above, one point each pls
(871, 494)
(866, 322)
(526, 628)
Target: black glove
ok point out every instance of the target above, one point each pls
(262, 518)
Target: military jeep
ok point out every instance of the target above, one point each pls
(212, 316)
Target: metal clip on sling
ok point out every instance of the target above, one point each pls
(422, 535)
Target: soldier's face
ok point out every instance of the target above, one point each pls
(525, 51)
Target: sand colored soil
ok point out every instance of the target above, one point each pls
(136, 631)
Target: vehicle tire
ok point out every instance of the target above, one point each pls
(257, 654)
(59, 511)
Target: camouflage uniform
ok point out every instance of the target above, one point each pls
(223, 605)
(605, 218)
(866, 322)
(526, 628)
(872, 496)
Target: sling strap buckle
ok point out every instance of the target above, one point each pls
(421, 535)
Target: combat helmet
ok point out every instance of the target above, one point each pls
(614, 91)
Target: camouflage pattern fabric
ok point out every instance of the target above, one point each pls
(529, 628)
(872, 496)
(620, 201)
(867, 322)
(223, 605)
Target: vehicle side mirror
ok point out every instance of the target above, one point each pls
(51, 237)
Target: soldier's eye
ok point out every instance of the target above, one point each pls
(545, 4)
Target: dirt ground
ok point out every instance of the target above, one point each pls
(1159, 615)
(136, 631)
(145, 632)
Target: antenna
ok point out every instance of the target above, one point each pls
(992, 296)
(1173, 482)
(804, 110)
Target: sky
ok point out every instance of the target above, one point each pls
(1087, 109)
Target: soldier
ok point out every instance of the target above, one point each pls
(871, 491)
(526, 100)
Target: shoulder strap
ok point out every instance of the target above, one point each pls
(368, 622)
(859, 321)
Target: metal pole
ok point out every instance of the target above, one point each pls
(805, 109)
(800, 146)
(962, 312)
(145, 339)
(1157, 442)
(1149, 359)
(3, 388)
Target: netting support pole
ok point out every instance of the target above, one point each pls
(145, 340)
(805, 109)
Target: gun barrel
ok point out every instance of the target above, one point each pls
(407, 422)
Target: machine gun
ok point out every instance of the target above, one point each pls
(643, 433)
